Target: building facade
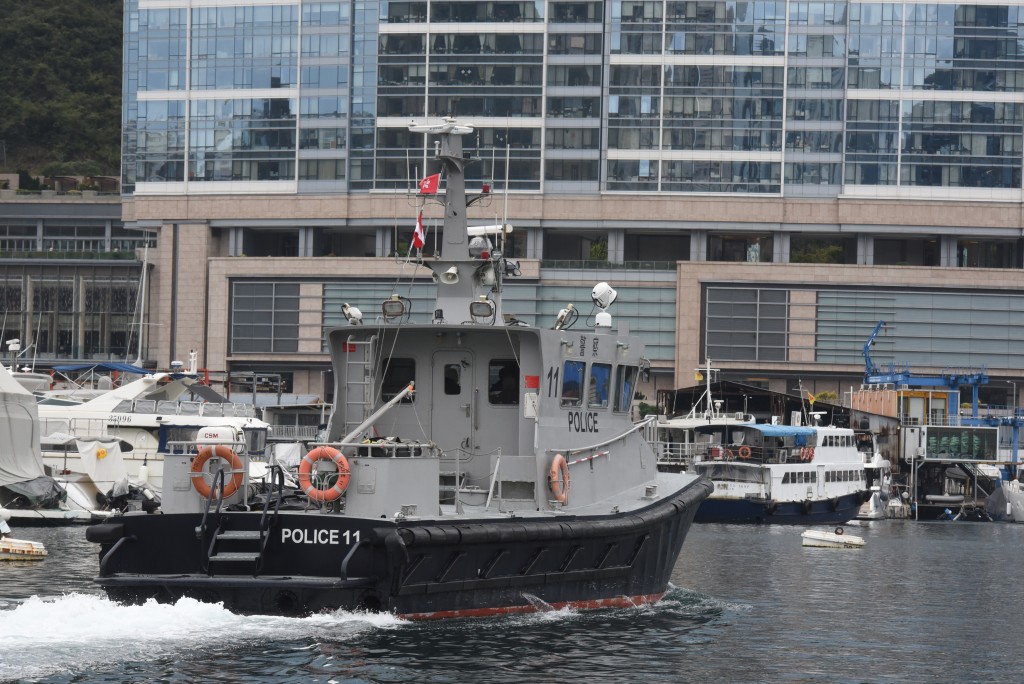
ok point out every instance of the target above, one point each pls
(764, 181)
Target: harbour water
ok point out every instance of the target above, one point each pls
(921, 602)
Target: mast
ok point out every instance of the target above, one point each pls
(465, 270)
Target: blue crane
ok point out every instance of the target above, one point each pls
(900, 375)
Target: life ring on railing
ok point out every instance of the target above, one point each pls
(729, 455)
(306, 472)
(558, 479)
(219, 451)
(807, 454)
(744, 452)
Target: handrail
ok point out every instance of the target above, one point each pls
(343, 570)
(276, 484)
(113, 550)
(636, 426)
(217, 486)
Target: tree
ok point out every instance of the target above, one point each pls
(61, 84)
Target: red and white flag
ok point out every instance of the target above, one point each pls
(419, 236)
(428, 186)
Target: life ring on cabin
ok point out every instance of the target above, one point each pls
(219, 451)
(306, 474)
(558, 479)
(744, 452)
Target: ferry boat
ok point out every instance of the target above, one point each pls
(783, 474)
(679, 442)
(465, 471)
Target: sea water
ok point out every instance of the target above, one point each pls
(921, 602)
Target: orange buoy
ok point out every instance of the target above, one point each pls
(558, 479)
(306, 471)
(219, 451)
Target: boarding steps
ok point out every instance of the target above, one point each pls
(246, 545)
(228, 546)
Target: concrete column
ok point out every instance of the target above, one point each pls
(947, 251)
(534, 243)
(780, 248)
(176, 310)
(699, 245)
(307, 241)
(616, 246)
(383, 242)
(865, 250)
(235, 241)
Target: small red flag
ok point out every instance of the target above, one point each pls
(419, 236)
(428, 186)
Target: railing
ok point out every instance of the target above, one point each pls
(119, 255)
(293, 433)
(595, 264)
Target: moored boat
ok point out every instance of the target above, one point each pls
(465, 472)
(783, 474)
(12, 549)
(831, 540)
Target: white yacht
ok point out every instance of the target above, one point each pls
(143, 417)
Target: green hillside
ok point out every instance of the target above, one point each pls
(60, 86)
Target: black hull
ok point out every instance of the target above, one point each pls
(818, 512)
(422, 569)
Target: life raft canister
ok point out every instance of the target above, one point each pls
(306, 472)
(219, 451)
(558, 479)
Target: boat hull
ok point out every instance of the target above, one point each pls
(806, 512)
(418, 569)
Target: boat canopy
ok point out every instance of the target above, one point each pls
(802, 436)
(106, 366)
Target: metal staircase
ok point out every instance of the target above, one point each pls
(237, 546)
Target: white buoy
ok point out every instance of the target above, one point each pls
(143, 474)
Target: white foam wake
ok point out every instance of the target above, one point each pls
(73, 632)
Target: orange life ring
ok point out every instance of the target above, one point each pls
(219, 451)
(744, 452)
(729, 456)
(306, 471)
(558, 479)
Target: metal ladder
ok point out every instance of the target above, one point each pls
(360, 380)
(247, 546)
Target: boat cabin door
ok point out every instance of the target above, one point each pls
(452, 402)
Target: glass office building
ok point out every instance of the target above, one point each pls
(632, 136)
(692, 96)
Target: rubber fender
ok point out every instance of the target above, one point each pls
(104, 533)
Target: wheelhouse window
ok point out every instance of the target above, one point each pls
(625, 383)
(453, 379)
(572, 382)
(600, 385)
(395, 376)
(503, 382)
